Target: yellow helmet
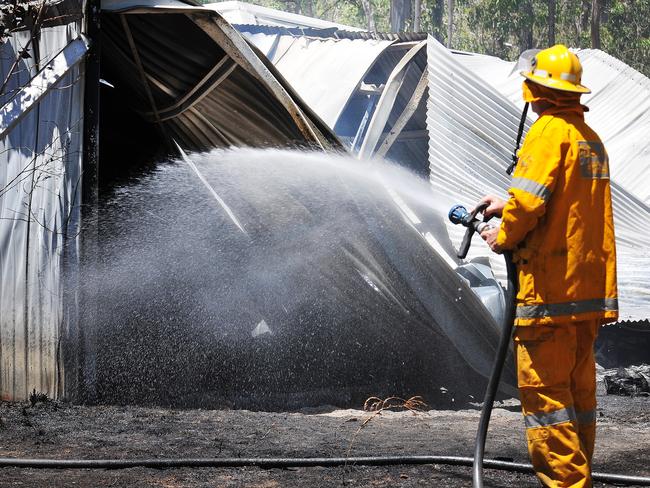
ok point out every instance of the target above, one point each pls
(556, 68)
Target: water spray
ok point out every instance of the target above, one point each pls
(212, 191)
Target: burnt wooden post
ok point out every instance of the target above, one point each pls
(85, 373)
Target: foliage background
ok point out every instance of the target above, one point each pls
(502, 28)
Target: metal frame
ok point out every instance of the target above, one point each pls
(193, 96)
(141, 71)
(386, 101)
(405, 116)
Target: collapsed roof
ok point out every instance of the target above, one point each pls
(369, 88)
(189, 73)
(186, 70)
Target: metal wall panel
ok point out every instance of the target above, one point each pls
(40, 168)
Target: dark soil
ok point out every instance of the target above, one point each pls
(63, 431)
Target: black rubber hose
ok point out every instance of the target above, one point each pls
(495, 376)
(268, 463)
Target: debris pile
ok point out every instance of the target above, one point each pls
(632, 381)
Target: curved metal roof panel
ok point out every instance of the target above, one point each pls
(200, 82)
(325, 72)
(248, 13)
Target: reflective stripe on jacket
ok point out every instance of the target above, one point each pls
(558, 222)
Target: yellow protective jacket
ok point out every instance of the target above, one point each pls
(558, 222)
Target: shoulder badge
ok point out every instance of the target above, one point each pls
(594, 162)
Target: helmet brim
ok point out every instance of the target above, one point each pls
(555, 84)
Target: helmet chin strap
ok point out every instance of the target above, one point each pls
(522, 124)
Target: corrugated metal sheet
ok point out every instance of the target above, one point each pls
(384, 36)
(365, 89)
(40, 171)
(248, 13)
(324, 71)
(620, 113)
(495, 71)
(472, 130)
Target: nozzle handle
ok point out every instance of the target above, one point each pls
(473, 225)
(467, 241)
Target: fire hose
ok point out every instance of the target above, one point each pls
(268, 463)
(459, 215)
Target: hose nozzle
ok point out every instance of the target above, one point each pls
(459, 215)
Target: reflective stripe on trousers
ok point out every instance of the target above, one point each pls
(558, 416)
(568, 308)
(557, 382)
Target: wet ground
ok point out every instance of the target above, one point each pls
(50, 430)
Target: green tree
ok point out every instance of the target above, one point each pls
(503, 28)
(625, 32)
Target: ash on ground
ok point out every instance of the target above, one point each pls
(53, 430)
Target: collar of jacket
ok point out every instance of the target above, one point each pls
(563, 109)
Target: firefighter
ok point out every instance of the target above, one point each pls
(558, 224)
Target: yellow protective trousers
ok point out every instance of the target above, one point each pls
(556, 372)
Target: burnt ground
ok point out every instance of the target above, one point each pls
(54, 430)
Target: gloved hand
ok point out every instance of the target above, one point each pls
(495, 206)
